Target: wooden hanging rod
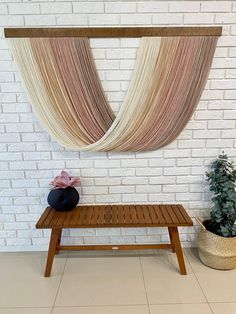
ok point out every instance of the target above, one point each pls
(113, 32)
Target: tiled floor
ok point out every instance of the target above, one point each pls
(114, 283)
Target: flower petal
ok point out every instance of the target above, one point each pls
(65, 175)
(74, 181)
(60, 181)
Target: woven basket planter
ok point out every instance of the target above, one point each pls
(215, 251)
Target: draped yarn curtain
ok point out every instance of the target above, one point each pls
(66, 93)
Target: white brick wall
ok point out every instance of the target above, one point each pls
(29, 158)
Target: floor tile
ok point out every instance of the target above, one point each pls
(22, 280)
(102, 281)
(223, 308)
(165, 285)
(180, 309)
(26, 311)
(217, 285)
(139, 309)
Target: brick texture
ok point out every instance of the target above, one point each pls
(29, 158)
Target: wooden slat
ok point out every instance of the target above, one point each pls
(184, 213)
(133, 213)
(67, 219)
(61, 219)
(172, 215)
(101, 216)
(49, 217)
(95, 215)
(153, 215)
(88, 216)
(127, 215)
(76, 215)
(73, 220)
(113, 32)
(108, 215)
(55, 219)
(141, 219)
(165, 214)
(146, 214)
(114, 214)
(82, 215)
(158, 212)
(43, 217)
(177, 213)
(120, 215)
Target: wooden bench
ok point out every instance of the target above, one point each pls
(115, 216)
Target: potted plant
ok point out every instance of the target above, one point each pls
(64, 196)
(217, 237)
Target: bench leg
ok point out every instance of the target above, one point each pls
(58, 241)
(175, 238)
(171, 240)
(55, 235)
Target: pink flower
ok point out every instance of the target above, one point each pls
(64, 180)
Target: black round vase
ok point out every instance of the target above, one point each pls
(63, 199)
